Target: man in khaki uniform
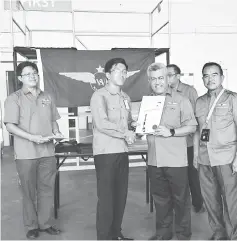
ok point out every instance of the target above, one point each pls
(30, 116)
(215, 151)
(167, 159)
(174, 74)
(111, 115)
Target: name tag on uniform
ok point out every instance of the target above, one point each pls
(45, 102)
(126, 104)
(172, 105)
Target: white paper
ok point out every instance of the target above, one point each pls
(150, 114)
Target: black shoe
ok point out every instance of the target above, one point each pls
(51, 231)
(121, 237)
(159, 237)
(32, 234)
(215, 238)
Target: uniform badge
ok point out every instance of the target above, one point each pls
(126, 104)
(45, 102)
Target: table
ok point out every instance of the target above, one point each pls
(138, 148)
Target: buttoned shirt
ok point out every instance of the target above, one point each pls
(191, 93)
(221, 148)
(111, 117)
(33, 114)
(171, 151)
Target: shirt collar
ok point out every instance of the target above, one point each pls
(120, 93)
(180, 87)
(215, 92)
(26, 91)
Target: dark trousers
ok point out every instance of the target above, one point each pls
(37, 179)
(219, 191)
(170, 191)
(112, 187)
(194, 183)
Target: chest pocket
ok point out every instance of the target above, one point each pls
(44, 108)
(172, 115)
(223, 116)
(114, 112)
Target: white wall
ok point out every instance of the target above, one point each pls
(3, 95)
(203, 31)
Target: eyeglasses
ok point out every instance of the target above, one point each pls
(30, 74)
(153, 79)
(123, 72)
(171, 75)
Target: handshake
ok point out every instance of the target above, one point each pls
(130, 137)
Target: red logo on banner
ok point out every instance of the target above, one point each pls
(100, 79)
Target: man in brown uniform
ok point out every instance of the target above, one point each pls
(30, 116)
(215, 151)
(111, 115)
(167, 158)
(174, 74)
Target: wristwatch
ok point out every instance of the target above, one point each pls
(172, 132)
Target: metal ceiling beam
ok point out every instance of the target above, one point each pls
(160, 28)
(100, 11)
(14, 21)
(81, 42)
(110, 35)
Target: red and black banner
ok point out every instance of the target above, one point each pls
(71, 76)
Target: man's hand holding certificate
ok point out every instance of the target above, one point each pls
(150, 114)
(57, 136)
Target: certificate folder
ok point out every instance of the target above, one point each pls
(150, 114)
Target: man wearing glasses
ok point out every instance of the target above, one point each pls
(111, 115)
(215, 152)
(167, 159)
(30, 116)
(174, 74)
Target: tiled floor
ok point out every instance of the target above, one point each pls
(78, 207)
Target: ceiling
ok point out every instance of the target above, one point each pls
(139, 6)
(115, 5)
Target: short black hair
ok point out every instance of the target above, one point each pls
(211, 64)
(176, 68)
(24, 64)
(110, 63)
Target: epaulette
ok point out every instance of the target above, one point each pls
(229, 92)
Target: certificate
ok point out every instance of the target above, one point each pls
(150, 114)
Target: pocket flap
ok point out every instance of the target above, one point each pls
(221, 109)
